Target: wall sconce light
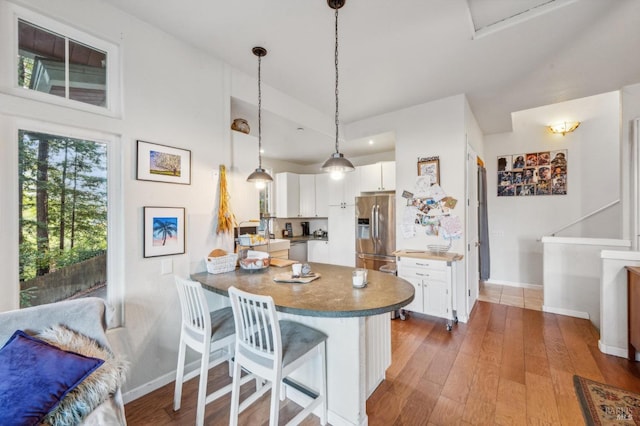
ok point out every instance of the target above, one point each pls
(564, 127)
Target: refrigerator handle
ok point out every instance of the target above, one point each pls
(377, 221)
(373, 222)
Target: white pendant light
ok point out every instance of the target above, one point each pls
(337, 164)
(259, 175)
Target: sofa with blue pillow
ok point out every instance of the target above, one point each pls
(57, 367)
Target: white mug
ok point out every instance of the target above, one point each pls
(296, 270)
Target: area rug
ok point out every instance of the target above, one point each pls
(606, 405)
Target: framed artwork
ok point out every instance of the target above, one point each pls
(532, 173)
(161, 163)
(164, 231)
(430, 167)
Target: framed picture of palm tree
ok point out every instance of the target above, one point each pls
(164, 231)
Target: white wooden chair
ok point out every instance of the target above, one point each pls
(271, 350)
(206, 333)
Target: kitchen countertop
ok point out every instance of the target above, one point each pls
(448, 257)
(305, 238)
(331, 295)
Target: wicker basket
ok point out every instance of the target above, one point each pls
(221, 264)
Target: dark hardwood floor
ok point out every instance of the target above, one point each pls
(507, 366)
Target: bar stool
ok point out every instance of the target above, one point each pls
(205, 332)
(271, 350)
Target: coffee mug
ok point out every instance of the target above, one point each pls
(296, 270)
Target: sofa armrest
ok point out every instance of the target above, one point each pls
(86, 316)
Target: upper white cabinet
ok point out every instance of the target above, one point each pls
(307, 195)
(302, 195)
(287, 195)
(378, 177)
(343, 192)
(322, 194)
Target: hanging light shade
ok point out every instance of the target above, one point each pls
(337, 164)
(259, 176)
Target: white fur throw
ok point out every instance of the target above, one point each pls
(96, 388)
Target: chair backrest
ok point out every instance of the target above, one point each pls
(257, 328)
(195, 310)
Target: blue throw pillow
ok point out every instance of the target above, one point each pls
(35, 376)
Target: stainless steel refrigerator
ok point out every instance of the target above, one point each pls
(375, 231)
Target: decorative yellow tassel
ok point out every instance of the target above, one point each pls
(226, 218)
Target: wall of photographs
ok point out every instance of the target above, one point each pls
(533, 173)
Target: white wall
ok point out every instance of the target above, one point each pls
(630, 189)
(517, 223)
(172, 94)
(432, 129)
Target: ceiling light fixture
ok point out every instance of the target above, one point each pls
(564, 127)
(260, 176)
(337, 164)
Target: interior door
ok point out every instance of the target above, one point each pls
(473, 276)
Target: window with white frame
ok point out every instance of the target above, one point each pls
(68, 218)
(60, 64)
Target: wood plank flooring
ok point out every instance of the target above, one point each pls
(507, 366)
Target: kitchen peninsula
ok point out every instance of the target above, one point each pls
(357, 322)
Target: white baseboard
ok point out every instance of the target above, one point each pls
(612, 350)
(567, 312)
(140, 391)
(514, 284)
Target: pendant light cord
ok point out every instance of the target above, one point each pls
(259, 114)
(336, 62)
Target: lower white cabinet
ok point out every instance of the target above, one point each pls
(318, 251)
(432, 280)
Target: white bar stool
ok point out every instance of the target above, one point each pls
(273, 349)
(205, 332)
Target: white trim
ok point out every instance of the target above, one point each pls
(613, 350)
(567, 312)
(115, 203)
(610, 242)
(620, 255)
(514, 284)
(519, 18)
(113, 70)
(157, 383)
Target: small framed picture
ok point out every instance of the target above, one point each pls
(164, 231)
(161, 163)
(430, 167)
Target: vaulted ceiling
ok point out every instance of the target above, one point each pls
(505, 55)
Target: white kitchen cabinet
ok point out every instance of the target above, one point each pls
(342, 235)
(322, 184)
(433, 281)
(318, 251)
(287, 195)
(378, 177)
(343, 192)
(307, 195)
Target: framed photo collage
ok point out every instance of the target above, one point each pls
(533, 173)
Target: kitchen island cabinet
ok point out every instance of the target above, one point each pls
(357, 322)
(433, 277)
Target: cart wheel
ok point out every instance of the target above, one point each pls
(403, 316)
(455, 320)
(449, 327)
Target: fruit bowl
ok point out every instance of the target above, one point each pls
(255, 263)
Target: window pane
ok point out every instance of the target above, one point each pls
(41, 59)
(41, 65)
(87, 74)
(62, 218)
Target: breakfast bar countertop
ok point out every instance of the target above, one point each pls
(331, 295)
